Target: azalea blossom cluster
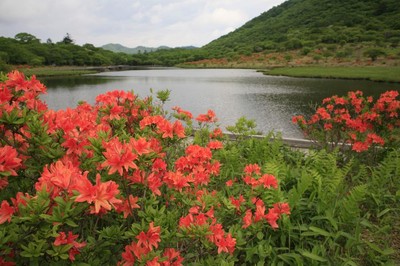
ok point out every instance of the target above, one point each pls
(72, 180)
(254, 178)
(355, 120)
(216, 234)
(145, 243)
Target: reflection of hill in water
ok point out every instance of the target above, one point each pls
(74, 82)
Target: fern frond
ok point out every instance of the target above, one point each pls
(349, 206)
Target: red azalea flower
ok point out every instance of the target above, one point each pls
(260, 211)
(298, 119)
(62, 239)
(6, 263)
(151, 238)
(119, 157)
(250, 181)
(216, 133)
(247, 219)
(252, 168)
(178, 129)
(128, 256)
(215, 145)
(323, 113)
(6, 212)
(141, 145)
(153, 262)
(209, 117)
(229, 183)
(185, 113)
(272, 217)
(101, 194)
(360, 146)
(174, 257)
(3, 182)
(186, 221)
(177, 180)
(237, 202)
(226, 244)
(282, 208)
(128, 205)
(9, 161)
(374, 138)
(268, 181)
(328, 126)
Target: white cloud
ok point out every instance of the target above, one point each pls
(131, 23)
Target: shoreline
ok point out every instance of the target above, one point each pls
(371, 73)
(390, 74)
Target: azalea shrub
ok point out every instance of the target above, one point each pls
(126, 182)
(123, 182)
(355, 122)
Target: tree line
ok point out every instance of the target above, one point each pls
(27, 49)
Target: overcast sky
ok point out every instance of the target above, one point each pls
(131, 23)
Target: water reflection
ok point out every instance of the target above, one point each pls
(232, 93)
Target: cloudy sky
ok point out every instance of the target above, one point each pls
(129, 22)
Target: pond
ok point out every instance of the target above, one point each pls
(232, 93)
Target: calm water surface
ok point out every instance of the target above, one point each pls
(232, 93)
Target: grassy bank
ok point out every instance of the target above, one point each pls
(56, 71)
(375, 73)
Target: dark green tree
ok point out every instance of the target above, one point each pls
(67, 39)
(24, 37)
(374, 53)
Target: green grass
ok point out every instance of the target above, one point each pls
(375, 73)
(56, 71)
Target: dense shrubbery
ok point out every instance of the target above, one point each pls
(356, 123)
(121, 182)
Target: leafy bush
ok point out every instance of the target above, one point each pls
(120, 174)
(355, 122)
(124, 182)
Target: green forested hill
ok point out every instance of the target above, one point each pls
(307, 23)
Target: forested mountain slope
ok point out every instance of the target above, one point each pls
(307, 23)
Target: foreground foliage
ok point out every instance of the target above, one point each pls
(122, 182)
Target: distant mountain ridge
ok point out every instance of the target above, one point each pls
(118, 48)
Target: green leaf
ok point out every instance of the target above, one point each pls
(26, 254)
(289, 257)
(320, 231)
(383, 212)
(46, 216)
(313, 256)
(71, 223)
(385, 252)
(64, 256)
